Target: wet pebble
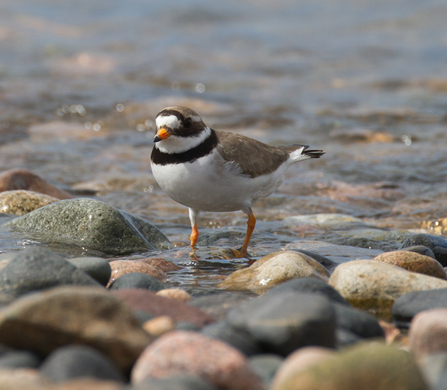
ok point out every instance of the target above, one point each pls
(428, 333)
(413, 262)
(37, 268)
(375, 286)
(97, 267)
(42, 322)
(175, 293)
(137, 280)
(180, 352)
(76, 361)
(21, 202)
(437, 244)
(123, 267)
(274, 269)
(147, 301)
(91, 224)
(281, 323)
(21, 179)
(161, 264)
(366, 367)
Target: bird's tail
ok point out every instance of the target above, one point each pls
(301, 152)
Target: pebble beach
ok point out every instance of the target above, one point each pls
(345, 284)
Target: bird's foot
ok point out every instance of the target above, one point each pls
(239, 254)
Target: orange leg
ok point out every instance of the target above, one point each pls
(251, 223)
(194, 236)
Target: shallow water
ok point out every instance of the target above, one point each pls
(81, 82)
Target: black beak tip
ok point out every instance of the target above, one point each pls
(157, 139)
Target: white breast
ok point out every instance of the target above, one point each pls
(209, 184)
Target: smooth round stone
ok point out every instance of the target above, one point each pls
(434, 369)
(97, 267)
(346, 338)
(137, 280)
(175, 293)
(421, 249)
(299, 361)
(365, 367)
(413, 262)
(437, 244)
(19, 359)
(92, 316)
(180, 352)
(76, 361)
(123, 267)
(274, 269)
(37, 268)
(408, 305)
(309, 285)
(161, 264)
(91, 224)
(266, 366)
(324, 261)
(237, 338)
(375, 286)
(428, 333)
(159, 325)
(218, 304)
(22, 202)
(177, 382)
(282, 323)
(22, 179)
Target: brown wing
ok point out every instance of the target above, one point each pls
(253, 157)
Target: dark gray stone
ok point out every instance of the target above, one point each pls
(421, 249)
(19, 359)
(437, 244)
(408, 305)
(282, 323)
(362, 324)
(137, 280)
(324, 261)
(76, 361)
(178, 382)
(265, 366)
(187, 326)
(37, 268)
(90, 224)
(97, 267)
(237, 338)
(345, 338)
(218, 304)
(309, 285)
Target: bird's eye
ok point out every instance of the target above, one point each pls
(187, 123)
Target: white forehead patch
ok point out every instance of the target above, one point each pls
(170, 121)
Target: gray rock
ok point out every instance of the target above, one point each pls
(19, 359)
(37, 268)
(437, 244)
(346, 338)
(137, 280)
(324, 261)
(97, 267)
(217, 304)
(421, 249)
(78, 361)
(282, 323)
(408, 305)
(434, 369)
(91, 224)
(265, 366)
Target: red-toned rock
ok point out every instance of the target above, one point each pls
(428, 332)
(21, 179)
(123, 267)
(160, 263)
(145, 300)
(181, 352)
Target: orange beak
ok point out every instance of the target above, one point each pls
(161, 135)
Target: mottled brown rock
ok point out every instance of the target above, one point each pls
(42, 322)
(175, 293)
(413, 262)
(144, 300)
(366, 366)
(123, 267)
(21, 179)
(22, 202)
(300, 360)
(375, 286)
(181, 352)
(428, 332)
(274, 269)
(162, 264)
